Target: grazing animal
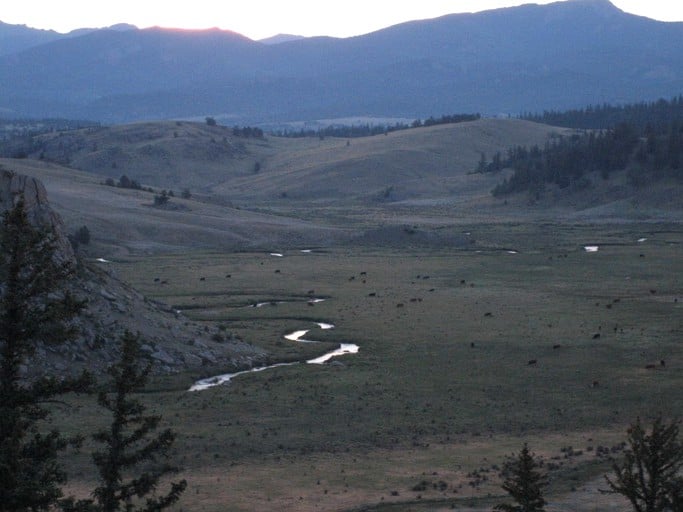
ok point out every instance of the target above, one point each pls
(650, 366)
(364, 273)
(373, 294)
(472, 344)
(653, 292)
(352, 278)
(431, 289)
(595, 384)
(596, 336)
(277, 271)
(228, 276)
(532, 362)
(488, 313)
(202, 278)
(556, 346)
(311, 292)
(399, 305)
(662, 363)
(156, 279)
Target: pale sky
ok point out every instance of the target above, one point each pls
(258, 19)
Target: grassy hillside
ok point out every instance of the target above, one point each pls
(278, 192)
(123, 220)
(210, 160)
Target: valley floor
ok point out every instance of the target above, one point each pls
(519, 335)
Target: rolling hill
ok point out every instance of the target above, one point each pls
(527, 58)
(219, 166)
(272, 193)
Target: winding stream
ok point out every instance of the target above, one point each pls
(344, 348)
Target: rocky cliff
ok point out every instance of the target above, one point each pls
(171, 341)
(13, 187)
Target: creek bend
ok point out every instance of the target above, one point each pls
(344, 348)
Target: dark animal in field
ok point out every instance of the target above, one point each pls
(310, 292)
(373, 294)
(202, 278)
(399, 305)
(228, 276)
(488, 313)
(662, 363)
(650, 366)
(352, 278)
(557, 345)
(277, 271)
(653, 292)
(596, 336)
(431, 289)
(472, 344)
(364, 273)
(311, 304)
(156, 279)
(595, 384)
(532, 362)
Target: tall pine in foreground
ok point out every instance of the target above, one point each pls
(524, 483)
(34, 307)
(128, 442)
(650, 474)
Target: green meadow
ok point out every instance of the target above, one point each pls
(465, 353)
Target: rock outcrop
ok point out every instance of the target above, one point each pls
(171, 341)
(13, 187)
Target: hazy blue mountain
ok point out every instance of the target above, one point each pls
(504, 61)
(15, 38)
(280, 38)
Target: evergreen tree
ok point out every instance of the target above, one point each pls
(127, 442)
(649, 477)
(524, 483)
(34, 307)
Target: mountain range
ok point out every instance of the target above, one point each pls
(504, 61)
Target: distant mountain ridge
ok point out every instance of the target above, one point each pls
(16, 38)
(504, 61)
